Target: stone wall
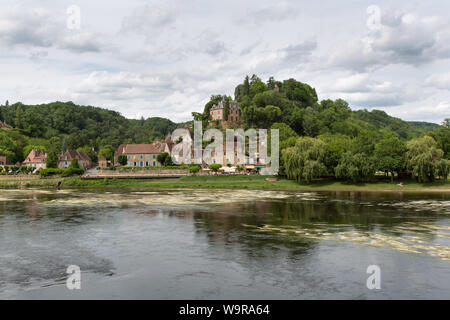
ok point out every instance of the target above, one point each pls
(143, 172)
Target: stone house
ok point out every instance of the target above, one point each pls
(66, 158)
(103, 163)
(4, 161)
(165, 146)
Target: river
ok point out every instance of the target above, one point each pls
(224, 244)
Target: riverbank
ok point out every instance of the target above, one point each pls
(225, 182)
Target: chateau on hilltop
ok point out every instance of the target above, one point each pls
(219, 111)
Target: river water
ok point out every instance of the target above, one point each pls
(224, 244)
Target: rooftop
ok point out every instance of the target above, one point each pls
(139, 149)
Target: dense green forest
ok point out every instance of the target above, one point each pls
(317, 138)
(327, 138)
(64, 125)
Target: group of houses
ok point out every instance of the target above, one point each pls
(38, 159)
(138, 155)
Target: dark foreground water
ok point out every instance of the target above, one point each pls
(223, 244)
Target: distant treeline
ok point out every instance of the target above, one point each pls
(65, 125)
(353, 138)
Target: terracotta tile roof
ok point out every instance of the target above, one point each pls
(36, 156)
(74, 154)
(140, 148)
(120, 150)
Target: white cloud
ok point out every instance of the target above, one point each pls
(165, 59)
(433, 111)
(362, 91)
(441, 81)
(149, 20)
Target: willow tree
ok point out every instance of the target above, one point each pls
(442, 168)
(423, 158)
(355, 167)
(305, 160)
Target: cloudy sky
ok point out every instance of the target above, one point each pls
(165, 58)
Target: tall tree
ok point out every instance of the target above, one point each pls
(247, 86)
(107, 152)
(18, 122)
(355, 167)
(52, 159)
(422, 158)
(304, 161)
(390, 154)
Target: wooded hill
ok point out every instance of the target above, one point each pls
(65, 125)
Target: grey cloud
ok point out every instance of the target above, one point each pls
(362, 91)
(38, 28)
(298, 52)
(80, 42)
(402, 39)
(280, 11)
(148, 20)
(207, 42)
(32, 27)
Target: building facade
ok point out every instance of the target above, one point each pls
(4, 161)
(103, 163)
(139, 155)
(66, 158)
(166, 145)
(36, 159)
(217, 112)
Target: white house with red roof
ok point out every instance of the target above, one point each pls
(36, 159)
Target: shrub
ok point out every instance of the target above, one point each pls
(50, 172)
(122, 160)
(215, 167)
(74, 164)
(194, 169)
(71, 171)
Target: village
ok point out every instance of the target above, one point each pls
(137, 160)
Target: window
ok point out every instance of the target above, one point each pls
(129, 157)
(154, 163)
(142, 157)
(141, 164)
(154, 156)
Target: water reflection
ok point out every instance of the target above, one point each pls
(224, 243)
